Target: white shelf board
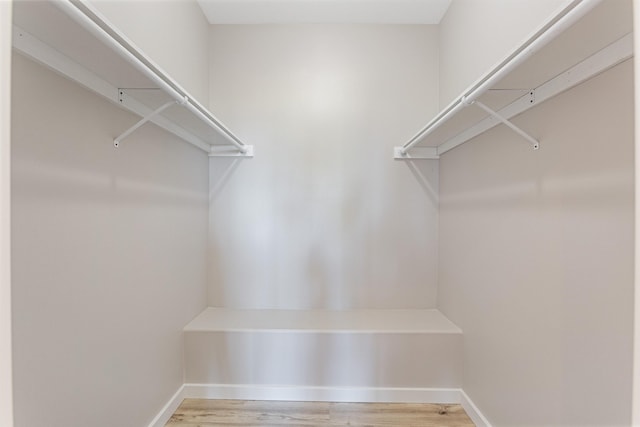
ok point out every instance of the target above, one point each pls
(49, 36)
(154, 98)
(607, 23)
(323, 321)
(47, 23)
(495, 99)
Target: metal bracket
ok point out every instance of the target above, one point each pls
(417, 153)
(532, 96)
(534, 142)
(145, 119)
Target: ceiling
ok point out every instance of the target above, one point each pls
(324, 11)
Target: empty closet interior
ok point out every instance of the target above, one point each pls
(327, 211)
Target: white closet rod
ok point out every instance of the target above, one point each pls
(78, 11)
(568, 17)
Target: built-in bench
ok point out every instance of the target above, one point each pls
(352, 355)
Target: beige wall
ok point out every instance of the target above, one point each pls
(636, 341)
(475, 35)
(6, 398)
(174, 36)
(108, 257)
(322, 217)
(536, 260)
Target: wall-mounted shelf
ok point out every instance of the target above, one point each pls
(563, 53)
(73, 39)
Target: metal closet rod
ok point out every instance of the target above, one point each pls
(81, 14)
(568, 17)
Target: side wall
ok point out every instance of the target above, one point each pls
(174, 36)
(322, 217)
(6, 383)
(108, 257)
(636, 341)
(475, 35)
(536, 260)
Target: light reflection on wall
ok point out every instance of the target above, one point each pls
(322, 217)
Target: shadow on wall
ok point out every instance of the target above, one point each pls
(322, 233)
(220, 173)
(221, 169)
(98, 173)
(421, 170)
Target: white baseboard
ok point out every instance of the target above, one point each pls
(472, 410)
(167, 411)
(319, 394)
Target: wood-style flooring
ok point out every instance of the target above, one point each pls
(204, 413)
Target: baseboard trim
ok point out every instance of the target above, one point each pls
(472, 410)
(319, 394)
(167, 411)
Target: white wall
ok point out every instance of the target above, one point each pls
(536, 260)
(475, 35)
(174, 35)
(322, 217)
(6, 383)
(636, 329)
(108, 256)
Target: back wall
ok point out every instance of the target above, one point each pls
(323, 217)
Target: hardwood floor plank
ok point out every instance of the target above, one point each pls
(398, 414)
(240, 413)
(208, 413)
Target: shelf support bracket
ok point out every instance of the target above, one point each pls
(532, 141)
(145, 119)
(417, 153)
